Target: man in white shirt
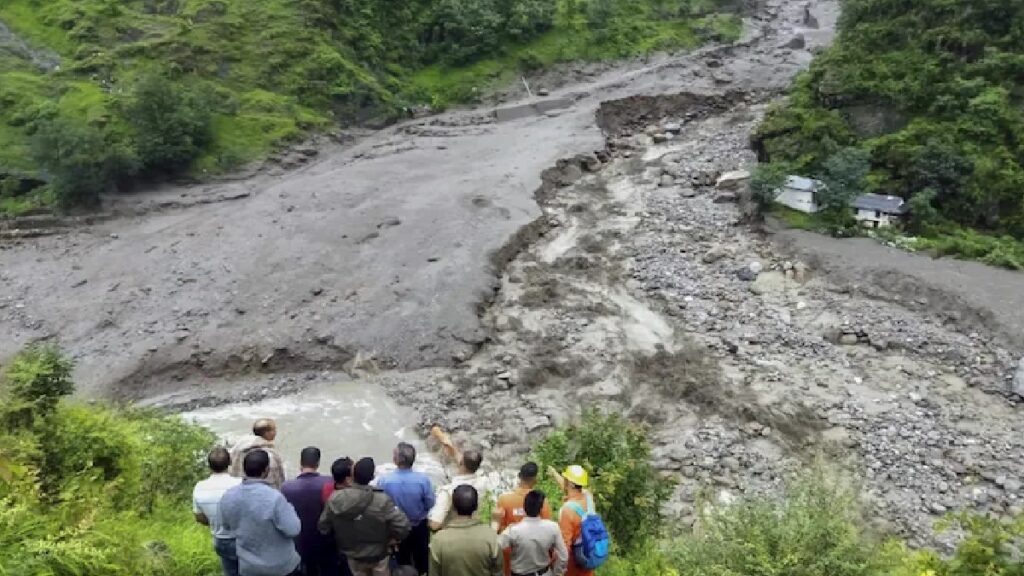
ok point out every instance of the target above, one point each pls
(206, 506)
(469, 473)
(537, 545)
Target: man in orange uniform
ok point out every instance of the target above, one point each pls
(510, 509)
(574, 481)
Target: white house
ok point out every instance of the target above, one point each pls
(877, 211)
(799, 193)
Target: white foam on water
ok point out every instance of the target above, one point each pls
(353, 419)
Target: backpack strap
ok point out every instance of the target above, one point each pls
(575, 507)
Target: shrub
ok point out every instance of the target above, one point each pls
(36, 380)
(96, 490)
(628, 492)
(171, 124)
(82, 160)
(815, 529)
(764, 183)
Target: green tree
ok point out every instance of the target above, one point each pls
(764, 185)
(82, 160)
(843, 176)
(170, 122)
(628, 491)
(36, 380)
(923, 214)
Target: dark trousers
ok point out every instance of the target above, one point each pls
(225, 549)
(325, 563)
(415, 549)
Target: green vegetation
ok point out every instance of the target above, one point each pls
(150, 88)
(92, 490)
(931, 93)
(86, 489)
(628, 492)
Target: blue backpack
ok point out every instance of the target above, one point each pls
(591, 548)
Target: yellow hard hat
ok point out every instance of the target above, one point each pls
(577, 475)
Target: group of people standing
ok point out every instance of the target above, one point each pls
(353, 523)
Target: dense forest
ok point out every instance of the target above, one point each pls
(931, 91)
(100, 93)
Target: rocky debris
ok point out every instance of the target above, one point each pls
(882, 380)
(732, 180)
(1017, 384)
(809, 21)
(797, 42)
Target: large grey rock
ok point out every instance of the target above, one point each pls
(1018, 379)
(732, 180)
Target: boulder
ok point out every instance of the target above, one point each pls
(746, 274)
(732, 180)
(797, 42)
(661, 137)
(667, 181)
(673, 127)
(1018, 379)
(726, 198)
(715, 254)
(589, 162)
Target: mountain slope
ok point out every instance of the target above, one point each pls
(932, 89)
(255, 73)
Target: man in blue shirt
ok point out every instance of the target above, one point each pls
(265, 525)
(414, 495)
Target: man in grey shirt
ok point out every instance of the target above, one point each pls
(263, 522)
(535, 542)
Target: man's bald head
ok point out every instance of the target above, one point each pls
(265, 428)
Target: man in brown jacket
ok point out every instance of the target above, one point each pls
(264, 431)
(465, 547)
(365, 523)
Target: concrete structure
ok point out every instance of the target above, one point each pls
(878, 211)
(799, 193)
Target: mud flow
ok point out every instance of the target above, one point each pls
(498, 270)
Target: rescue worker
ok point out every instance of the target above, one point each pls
(574, 481)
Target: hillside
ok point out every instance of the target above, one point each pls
(931, 91)
(151, 87)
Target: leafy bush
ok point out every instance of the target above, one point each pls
(816, 528)
(628, 492)
(171, 124)
(1005, 251)
(765, 183)
(36, 380)
(82, 160)
(87, 489)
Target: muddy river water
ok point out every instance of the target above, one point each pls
(342, 419)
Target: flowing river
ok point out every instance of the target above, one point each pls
(343, 419)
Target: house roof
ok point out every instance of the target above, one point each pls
(877, 202)
(803, 184)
